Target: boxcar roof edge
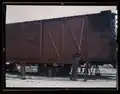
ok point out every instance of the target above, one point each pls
(59, 18)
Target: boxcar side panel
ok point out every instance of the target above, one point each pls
(100, 38)
(59, 39)
(74, 37)
(51, 40)
(13, 42)
(31, 41)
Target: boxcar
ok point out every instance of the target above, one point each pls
(54, 41)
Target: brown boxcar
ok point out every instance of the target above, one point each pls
(57, 40)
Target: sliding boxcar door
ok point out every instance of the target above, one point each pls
(51, 40)
(75, 29)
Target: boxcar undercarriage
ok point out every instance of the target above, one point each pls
(56, 70)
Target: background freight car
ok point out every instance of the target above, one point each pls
(53, 42)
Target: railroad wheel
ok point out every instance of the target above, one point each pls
(63, 71)
(42, 70)
(48, 71)
(11, 67)
(114, 65)
(66, 71)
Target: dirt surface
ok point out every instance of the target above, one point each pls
(107, 79)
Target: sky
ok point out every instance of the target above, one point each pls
(22, 13)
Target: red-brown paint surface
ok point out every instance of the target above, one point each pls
(57, 40)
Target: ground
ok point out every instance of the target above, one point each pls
(108, 79)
